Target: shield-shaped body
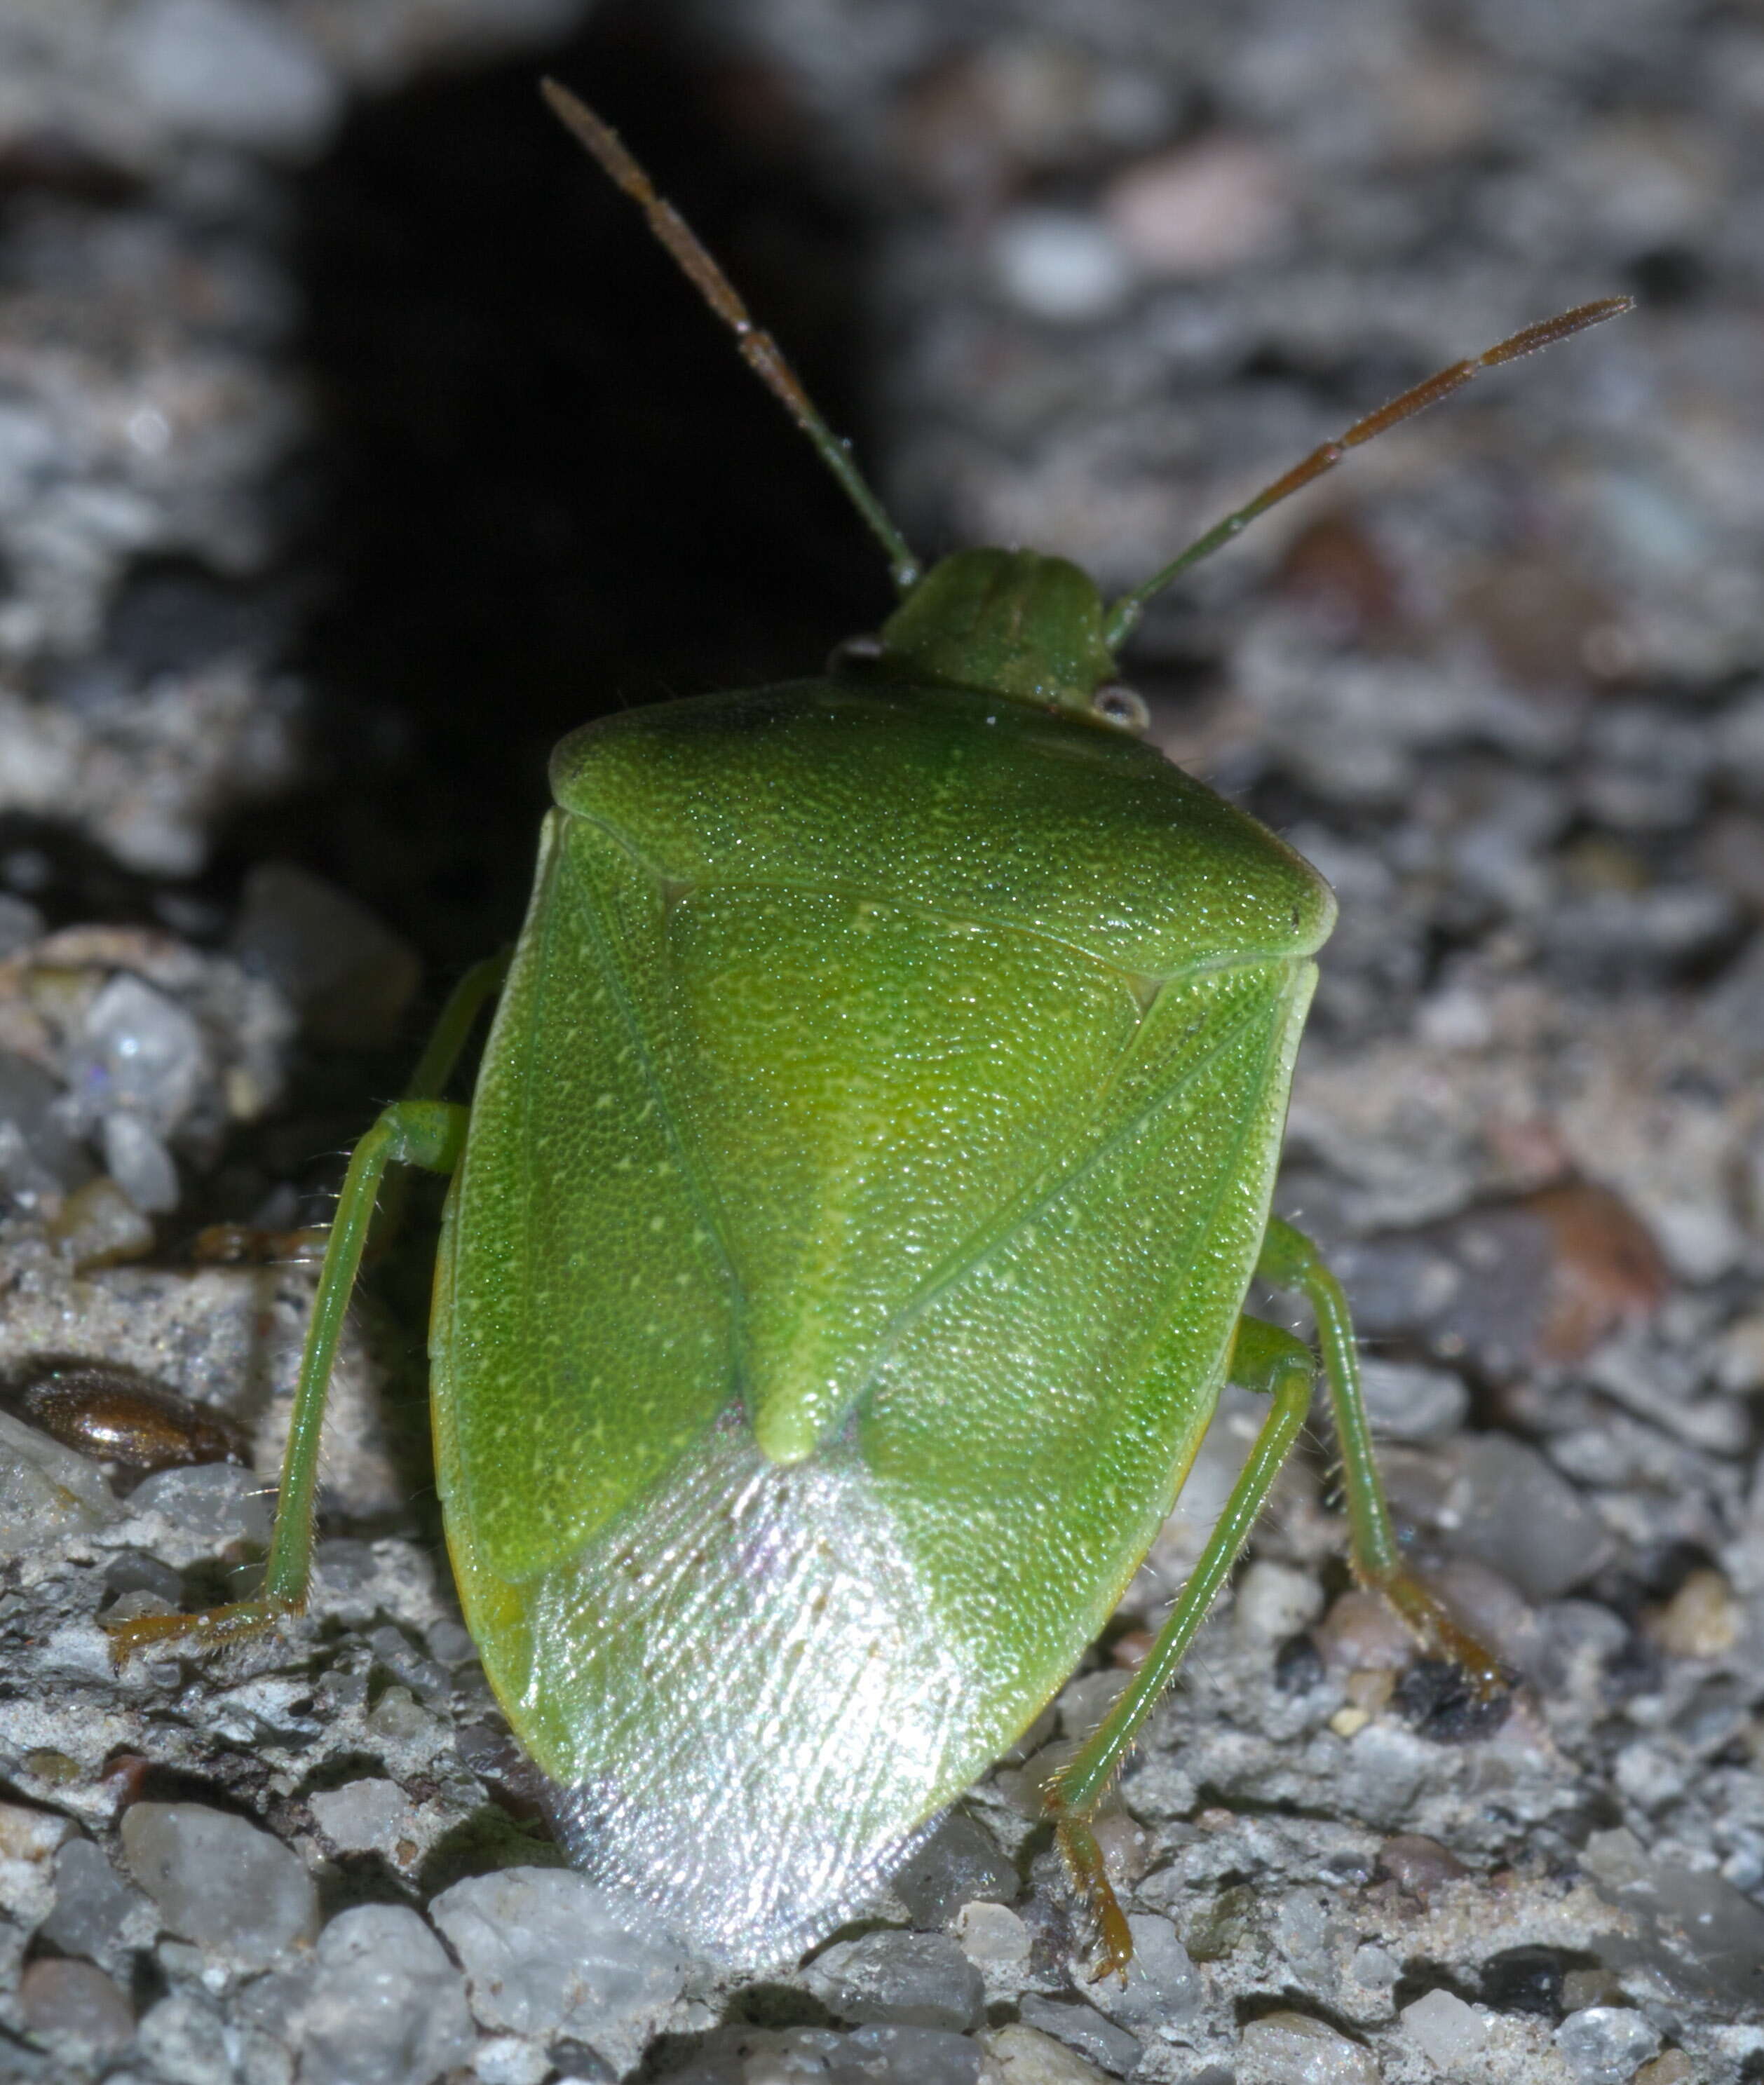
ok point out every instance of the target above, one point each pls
(873, 1150)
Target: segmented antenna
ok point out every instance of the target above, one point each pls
(1124, 613)
(761, 352)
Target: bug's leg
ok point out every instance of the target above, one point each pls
(1263, 1358)
(429, 1133)
(440, 1053)
(1289, 1260)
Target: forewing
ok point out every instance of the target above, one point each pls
(583, 1326)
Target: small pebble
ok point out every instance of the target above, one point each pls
(207, 1505)
(387, 2007)
(1596, 1986)
(351, 978)
(1362, 1633)
(1607, 2044)
(140, 1053)
(1019, 2055)
(46, 1490)
(137, 1161)
(1445, 2029)
(218, 1881)
(100, 1226)
(20, 924)
(1673, 2068)
(1082, 2027)
(184, 2038)
(960, 1860)
(1524, 1979)
(1418, 1864)
(1201, 208)
(821, 2056)
(38, 1156)
(93, 1905)
(1274, 1602)
(369, 1815)
(546, 1951)
(1490, 1607)
(78, 2001)
(993, 1938)
(239, 75)
(900, 1979)
(1293, 2048)
(1506, 1506)
(1060, 264)
(1162, 1984)
(1409, 1401)
(1374, 1967)
(511, 2059)
(1702, 1619)
(1126, 1844)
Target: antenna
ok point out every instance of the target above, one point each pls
(760, 351)
(1124, 613)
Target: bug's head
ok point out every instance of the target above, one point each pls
(1006, 622)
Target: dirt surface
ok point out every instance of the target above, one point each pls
(354, 444)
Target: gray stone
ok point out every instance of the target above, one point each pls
(95, 1908)
(900, 1979)
(206, 1507)
(1696, 1930)
(993, 1938)
(1293, 2048)
(38, 1155)
(960, 1863)
(1020, 2055)
(876, 2055)
(20, 924)
(1163, 1983)
(367, 1816)
(1274, 1600)
(1448, 2032)
(1507, 1507)
(1607, 2044)
(219, 1881)
(349, 977)
(1409, 1401)
(46, 1490)
(184, 2040)
(387, 2007)
(140, 1052)
(238, 75)
(137, 1161)
(29, 1842)
(1081, 2028)
(75, 2000)
(546, 1951)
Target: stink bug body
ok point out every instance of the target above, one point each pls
(850, 1230)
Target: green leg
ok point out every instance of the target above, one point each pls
(1263, 1358)
(430, 1133)
(1289, 1260)
(442, 1052)
(480, 984)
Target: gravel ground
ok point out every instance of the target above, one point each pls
(353, 445)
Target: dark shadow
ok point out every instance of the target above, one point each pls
(549, 488)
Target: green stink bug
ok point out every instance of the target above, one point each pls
(849, 1233)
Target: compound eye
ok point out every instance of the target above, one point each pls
(1120, 707)
(852, 654)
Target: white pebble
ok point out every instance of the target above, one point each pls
(1445, 2029)
(1274, 1600)
(1059, 264)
